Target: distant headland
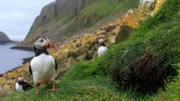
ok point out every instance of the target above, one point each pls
(5, 39)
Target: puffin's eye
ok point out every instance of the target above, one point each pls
(41, 40)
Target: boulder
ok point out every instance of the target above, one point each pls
(74, 54)
(70, 61)
(81, 58)
(84, 50)
(102, 32)
(84, 39)
(93, 49)
(158, 5)
(66, 53)
(106, 28)
(90, 54)
(77, 44)
(89, 46)
(112, 38)
(112, 26)
(96, 46)
(93, 39)
(146, 3)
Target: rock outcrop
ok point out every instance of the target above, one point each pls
(4, 38)
(50, 22)
(72, 7)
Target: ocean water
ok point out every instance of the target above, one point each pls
(10, 58)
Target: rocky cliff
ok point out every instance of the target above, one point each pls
(4, 38)
(63, 19)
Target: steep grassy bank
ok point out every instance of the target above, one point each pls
(145, 60)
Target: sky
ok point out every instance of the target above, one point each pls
(17, 16)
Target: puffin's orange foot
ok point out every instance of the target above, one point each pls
(37, 88)
(53, 89)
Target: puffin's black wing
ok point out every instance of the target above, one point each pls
(30, 70)
(56, 66)
(26, 86)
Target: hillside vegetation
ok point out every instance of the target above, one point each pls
(63, 19)
(145, 67)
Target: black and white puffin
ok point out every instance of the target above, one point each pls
(21, 85)
(43, 66)
(102, 49)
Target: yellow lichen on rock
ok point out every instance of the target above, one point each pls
(70, 61)
(84, 39)
(133, 17)
(158, 5)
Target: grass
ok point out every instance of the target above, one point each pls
(172, 90)
(66, 19)
(102, 8)
(95, 12)
(76, 87)
(151, 54)
(148, 55)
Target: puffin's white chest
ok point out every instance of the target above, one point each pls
(19, 87)
(43, 68)
(101, 50)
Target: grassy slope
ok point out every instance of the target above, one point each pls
(92, 80)
(103, 8)
(95, 12)
(78, 84)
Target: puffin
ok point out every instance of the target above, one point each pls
(43, 67)
(102, 49)
(21, 85)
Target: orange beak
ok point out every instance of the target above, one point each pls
(51, 45)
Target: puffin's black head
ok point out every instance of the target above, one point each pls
(20, 79)
(43, 43)
(101, 41)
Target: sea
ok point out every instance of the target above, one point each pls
(11, 58)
